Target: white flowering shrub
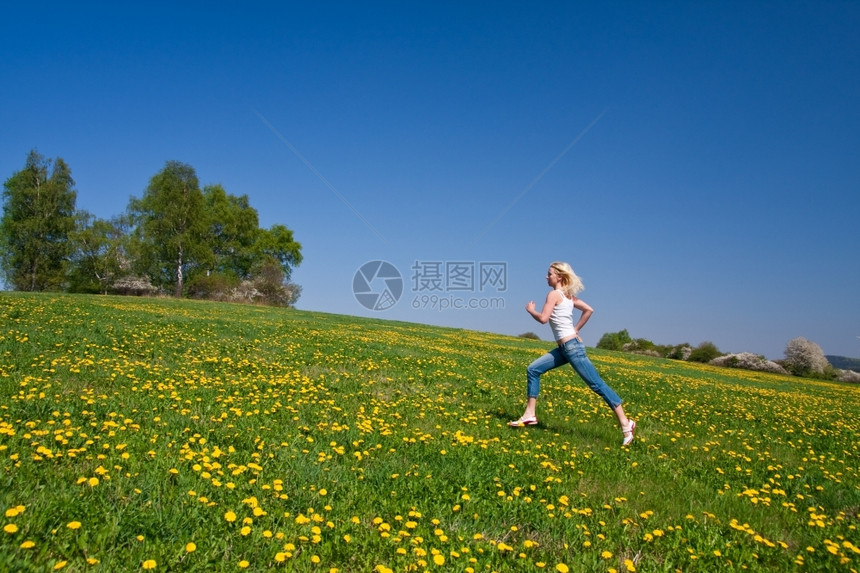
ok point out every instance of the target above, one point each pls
(748, 361)
(849, 376)
(804, 357)
(680, 352)
(260, 292)
(134, 286)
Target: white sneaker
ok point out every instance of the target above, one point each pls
(628, 433)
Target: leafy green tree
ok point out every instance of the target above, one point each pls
(614, 340)
(38, 216)
(705, 352)
(99, 256)
(171, 227)
(273, 286)
(277, 243)
(233, 230)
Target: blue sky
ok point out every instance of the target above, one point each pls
(698, 163)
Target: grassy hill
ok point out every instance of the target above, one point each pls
(195, 436)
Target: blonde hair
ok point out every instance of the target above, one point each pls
(571, 284)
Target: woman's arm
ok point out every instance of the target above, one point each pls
(587, 311)
(552, 299)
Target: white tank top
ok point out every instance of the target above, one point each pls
(561, 319)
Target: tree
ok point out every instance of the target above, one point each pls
(38, 216)
(277, 243)
(805, 358)
(614, 340)
(98, 256)
(705, 352)
(233, 230)
(171, 227)
(273, 286)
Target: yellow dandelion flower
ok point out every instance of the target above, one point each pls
(438, 560)
(73, 525)
(60, 565)
(606, 555)
(245, 531)
(230, 516)
(28, 545)
(10, 528)
(280, 557)
(15, 511)
(93, 482)
(628, 563)
(149, 564)
(190, 547)
(315, 559)
(562, 568)
(243, 564)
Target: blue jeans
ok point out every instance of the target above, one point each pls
(573, 353)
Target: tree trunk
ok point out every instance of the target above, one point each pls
(179, 275)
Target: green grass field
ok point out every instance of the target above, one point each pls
(176, 435)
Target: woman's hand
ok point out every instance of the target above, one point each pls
(552, 299)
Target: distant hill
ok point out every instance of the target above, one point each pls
(844, 363)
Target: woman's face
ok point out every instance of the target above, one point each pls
(552, 278)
